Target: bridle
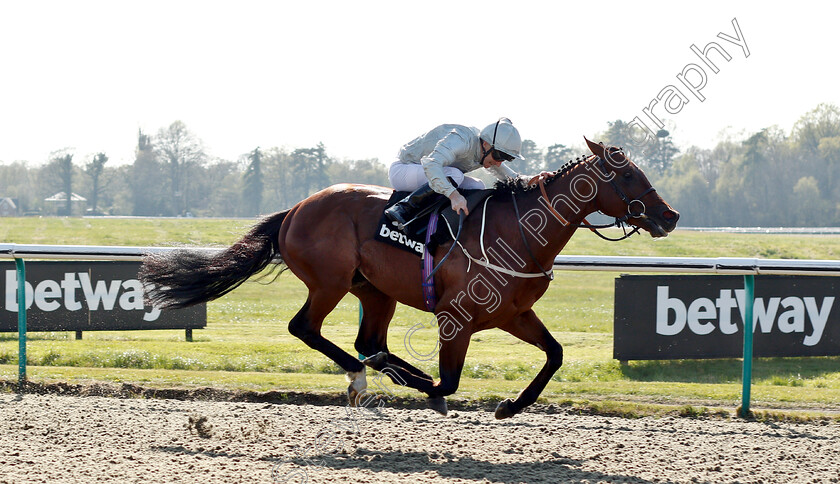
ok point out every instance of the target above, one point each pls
(619, 221)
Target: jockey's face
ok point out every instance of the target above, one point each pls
(488, 160)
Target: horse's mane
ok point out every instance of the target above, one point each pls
(520, 185)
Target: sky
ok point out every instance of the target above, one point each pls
(366, 77)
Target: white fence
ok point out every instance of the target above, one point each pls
(79, 252)
(699, 265)
(748, 267)
(684, 265)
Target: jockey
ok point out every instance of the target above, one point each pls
(448, 151)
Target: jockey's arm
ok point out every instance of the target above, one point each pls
(445, 152)
(439, 183)
(503, 172)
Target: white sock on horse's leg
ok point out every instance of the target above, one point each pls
(358, 384)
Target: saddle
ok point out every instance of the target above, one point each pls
(414, 241)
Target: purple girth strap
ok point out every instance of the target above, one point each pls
(429, 296)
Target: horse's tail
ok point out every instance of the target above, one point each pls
(184, 277)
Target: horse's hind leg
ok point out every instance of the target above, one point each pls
(451, 361)
(306, 325)
(372, 341)
(377, 312)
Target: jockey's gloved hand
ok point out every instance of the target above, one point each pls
(458, 202)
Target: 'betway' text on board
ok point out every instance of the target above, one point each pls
(75, 291)
(702, 316)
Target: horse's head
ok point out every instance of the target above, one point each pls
(625, 192)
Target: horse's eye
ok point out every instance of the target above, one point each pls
(628, 175)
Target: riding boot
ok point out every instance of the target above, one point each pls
(403, 211)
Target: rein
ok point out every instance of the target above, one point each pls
(456, 240)
(485, 262)
(619, 221)
(548, 274)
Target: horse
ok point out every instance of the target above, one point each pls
(327, 241)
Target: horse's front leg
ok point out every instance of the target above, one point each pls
(528, 327)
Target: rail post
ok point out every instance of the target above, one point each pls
(746, 374)
(21, 279)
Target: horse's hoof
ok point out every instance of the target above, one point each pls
(504, 409)
(352, 395)
(358, 384)
(438, 404)
(377, 361)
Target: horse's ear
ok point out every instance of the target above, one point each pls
(597, 149)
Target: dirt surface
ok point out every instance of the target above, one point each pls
(70, 438)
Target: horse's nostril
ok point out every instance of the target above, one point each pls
(669, 215)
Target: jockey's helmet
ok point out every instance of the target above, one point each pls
(503, 136)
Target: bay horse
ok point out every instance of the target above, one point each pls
(327, 240)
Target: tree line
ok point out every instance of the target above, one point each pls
(769, 178)
(172, 175)
(766, 178)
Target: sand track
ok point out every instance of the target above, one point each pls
(65, 438)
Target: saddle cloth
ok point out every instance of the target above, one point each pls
(414, 241)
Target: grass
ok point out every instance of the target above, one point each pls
(212, 232)
(246, 344)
